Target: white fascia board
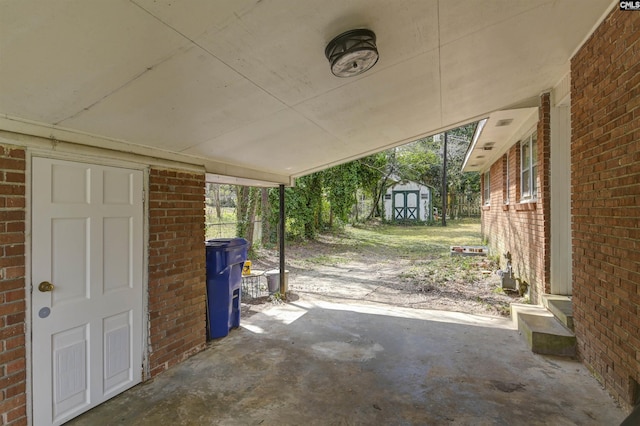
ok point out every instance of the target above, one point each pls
(22, 132)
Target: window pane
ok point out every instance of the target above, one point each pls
(526, 159)
(534, 148)
(526, 184)
(534, 181)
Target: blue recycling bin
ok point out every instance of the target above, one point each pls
(225, 259)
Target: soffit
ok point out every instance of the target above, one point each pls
(496, 134)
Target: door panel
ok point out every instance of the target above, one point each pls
(87, 239)
(117, 332)
(117, 254)
(398, 205)
(412, 206)
(406, 205)
(69, 247)
(69, 184)
(69, 369)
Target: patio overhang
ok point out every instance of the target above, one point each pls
(242, 88)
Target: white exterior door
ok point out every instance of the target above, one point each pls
(87, 240)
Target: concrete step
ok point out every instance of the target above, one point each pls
(525, 308)
(561, 307)
(542, 331)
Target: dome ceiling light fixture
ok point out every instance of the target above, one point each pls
(352, 52)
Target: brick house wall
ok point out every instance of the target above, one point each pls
(177, 271)
(523, 229)
(605, 179)
(13, 374)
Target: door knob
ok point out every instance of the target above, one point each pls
(45, 286)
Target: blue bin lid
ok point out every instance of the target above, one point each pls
(226, 243)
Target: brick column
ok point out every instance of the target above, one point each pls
(544, 189)
(177, 273)
(13, 400)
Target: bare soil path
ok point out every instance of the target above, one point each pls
(407, 266)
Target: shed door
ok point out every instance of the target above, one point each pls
(406, 205)
(87, 241)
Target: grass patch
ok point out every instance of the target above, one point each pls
(400, 265)
(415, 242)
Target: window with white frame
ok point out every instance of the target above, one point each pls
(486, 188)
(529, 168)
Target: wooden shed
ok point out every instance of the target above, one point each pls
(408, 201)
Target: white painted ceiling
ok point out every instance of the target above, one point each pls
(243, 87)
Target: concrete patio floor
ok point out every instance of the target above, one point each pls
(315, 362)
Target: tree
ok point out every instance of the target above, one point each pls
(303, 206)
(216, 200)
(422, 161)
(265, 210)
(247, 203)
(340, 184)
(373, 175)
(213, 198)
(336, 189)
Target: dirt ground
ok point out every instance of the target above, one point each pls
(408, 267)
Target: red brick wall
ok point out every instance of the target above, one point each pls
(12, 284)
(177, 272)
(605, 180)
(522, 228)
